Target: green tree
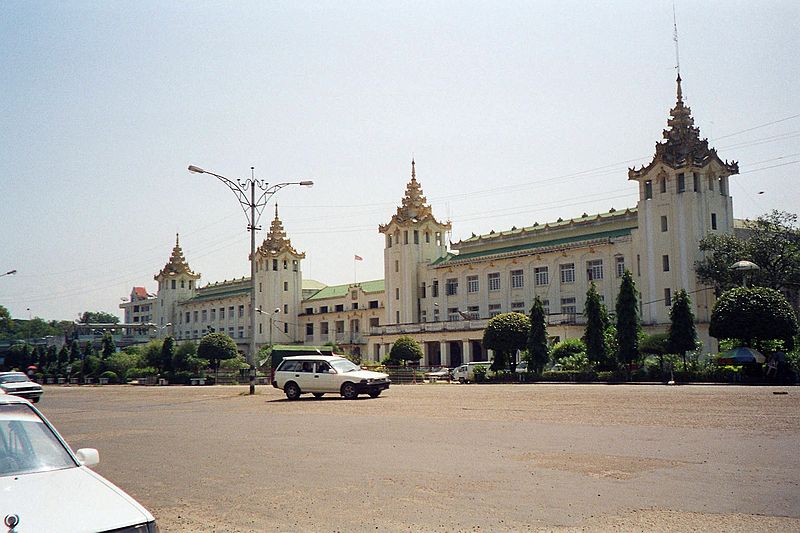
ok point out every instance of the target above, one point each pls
(88, 349)
(98, 317)
(108, 348)
(151, 353)
(682, 335)
(62, 361)
(655, 344)
(405, 349)
(596, 323)
(537, 338)
(6, 324)
(215, 347)
(74, 352)
(754, 316)
(628, 324)
(505, 334)
(167, 354)
(772, 242)
(184, 353)
(567, 348)
(19, 356)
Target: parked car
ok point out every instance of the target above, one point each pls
(47, 487)
(18, 384)
(438, 375)
(321, 374)
(522, 367)
(466, 372)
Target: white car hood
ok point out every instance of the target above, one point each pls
(17, 385)
(358, 375)
(68, 500)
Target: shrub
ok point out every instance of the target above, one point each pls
(568, 375)
(181, 377)
(142, 372)
(480, 373)
(566, 348)
(112, 376)
(578, 362)
(235, 363)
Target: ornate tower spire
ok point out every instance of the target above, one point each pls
(414, 206)
(276, 240)
(413, 171)
(177, 263)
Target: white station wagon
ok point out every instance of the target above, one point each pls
(320, 374)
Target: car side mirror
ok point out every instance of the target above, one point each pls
(88, 456)
(331, 371)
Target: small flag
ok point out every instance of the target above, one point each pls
(358, 258)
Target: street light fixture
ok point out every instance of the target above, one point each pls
(9, 273)
(252, 207)
(271, 320)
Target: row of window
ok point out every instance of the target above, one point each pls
(174, 284)
(680, 185)
(541, 276)
(395, 239)
(473, 312)
(372, 304)
(275, 263)
(355, 326)
(203, 315)
(665, 224)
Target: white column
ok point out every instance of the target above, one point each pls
(444, 350)
(466, 351)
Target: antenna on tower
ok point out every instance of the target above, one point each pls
(675, 38)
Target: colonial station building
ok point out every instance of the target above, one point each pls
(444, 293)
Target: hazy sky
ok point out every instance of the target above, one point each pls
(516, 112)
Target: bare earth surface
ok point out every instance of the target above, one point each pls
(441, 457)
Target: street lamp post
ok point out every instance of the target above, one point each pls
(252, 208)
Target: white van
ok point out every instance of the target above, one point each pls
(466, 372)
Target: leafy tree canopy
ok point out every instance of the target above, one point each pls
(505, 334)
(537, 338)
(682, 336)
(772, 242)
(215, 347)
(567, 348)
(405, 349)
(655, 344)
(98, 317)
(754, 316)
(596, 323)
(628, 324)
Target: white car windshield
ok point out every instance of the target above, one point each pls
(14, 378)
(343, 365)
(27, 444)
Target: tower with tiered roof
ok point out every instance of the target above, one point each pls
(176, 283)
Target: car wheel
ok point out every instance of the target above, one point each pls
(35, 400)
(318, 394)
(374, 394)
(349, 391)
(462, 380)
(292, 390)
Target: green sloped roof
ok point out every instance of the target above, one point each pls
(337, 291)
(311, 284)
(534, 246)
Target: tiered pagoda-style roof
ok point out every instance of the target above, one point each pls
(682, 146)
(277, 242)
(177, 264)
(414, 207)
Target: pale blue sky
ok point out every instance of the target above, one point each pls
(516, 112)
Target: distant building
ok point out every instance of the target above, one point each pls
(138, 309)
(444, 295)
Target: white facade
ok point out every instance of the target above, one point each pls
(445, 296)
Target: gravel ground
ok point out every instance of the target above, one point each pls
(447, 457)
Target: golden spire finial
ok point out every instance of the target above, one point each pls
(413, 170)
(276, 210)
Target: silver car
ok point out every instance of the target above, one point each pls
(18, 384)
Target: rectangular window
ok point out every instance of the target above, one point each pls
(620, 264)
(374, 322)
(427, 237)
(405, 236)
(196, 316)
(696, 182)
(355, 305)
(711, 183)
(594, 269)
(309, 330)
(309, 310)
(173, 283)
(187, 317)
(230, 313)
(241, 332)
(339, 307)
(423, 291)
(241, 311)
(494, 281)
(648, 190)
(518, 306)
(204, 316)
(452, 314)
(568, 306)
(474, 312)
(397, 293)
(546, 307)
(373, 304)
(286, 327)
(285, 264)
(451, 286)
(713, 221)
(285, 309)
(423, 316)
(567, 273)
(517, 279)
(663, 184)
(472, 284)
(494, 310)
(396, 266)
(388, 241)
(681, 182)
(323, 328)
(274, 264)
(722, 186)
(285, 286)
(665, 263)
(323, 308)
(664, 226)
(416, 236)
(435, 288)
(667, 297)
(213, 315)
(541, 276)
(435, 315)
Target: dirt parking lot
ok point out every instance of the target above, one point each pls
(446, 457)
